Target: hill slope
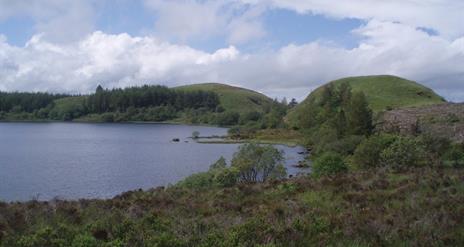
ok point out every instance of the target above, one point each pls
(233, 98)
(382, 92)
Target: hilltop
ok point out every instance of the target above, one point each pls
(383, 92)
(232, 98)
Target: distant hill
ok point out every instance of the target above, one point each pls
(233, 98)
(382, 91)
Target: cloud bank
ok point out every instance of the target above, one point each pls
(393, 41)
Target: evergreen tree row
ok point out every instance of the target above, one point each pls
(26, 102)
(149, 96)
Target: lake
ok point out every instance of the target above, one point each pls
(83, 160)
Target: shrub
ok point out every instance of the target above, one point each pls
(367, 154)
(107, 117)
(404, 152)
(219, 164)
(345, 146)
(84, 241)
(328, 163)
(195, 134)
(226, 177)
(198, 180)
(258, 163)
(454, 156)
(227, 118)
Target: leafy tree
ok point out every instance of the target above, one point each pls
(292, 103)
(258, 163)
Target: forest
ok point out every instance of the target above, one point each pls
(152, 103)
(135, 103)
(27, 102)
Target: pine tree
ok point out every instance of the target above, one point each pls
(292, 103)
(359, 115)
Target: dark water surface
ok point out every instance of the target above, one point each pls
(74, 160)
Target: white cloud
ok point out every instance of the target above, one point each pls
(444, 16)
(187, 20)
(123, 60)
(57, 20)
(391, 43)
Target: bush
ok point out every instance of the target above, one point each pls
(454, 156)
(367, 154)
(404, 152)
(198, 180)
(329, 163)
(219, 164)
(227, 118)
(258, 163)
(345, 146)
(195, 134)
(107, 117)
(226, 177)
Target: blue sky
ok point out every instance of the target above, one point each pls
(279, 47)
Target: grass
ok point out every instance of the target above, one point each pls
(69, 103)
(362, 208)
(382, 92)
(232, 98)
(266, 136)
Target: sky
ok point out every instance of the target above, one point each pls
(282, 48)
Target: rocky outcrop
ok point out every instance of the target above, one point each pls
(442, 120)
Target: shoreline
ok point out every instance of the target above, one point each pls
(225, 140)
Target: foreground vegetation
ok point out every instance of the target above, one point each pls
(418, 206)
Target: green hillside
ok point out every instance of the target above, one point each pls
(382, 92)
(233, 98)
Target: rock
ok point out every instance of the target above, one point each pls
(442, 120)
(176, 140)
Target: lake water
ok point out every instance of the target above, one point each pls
(81, 160)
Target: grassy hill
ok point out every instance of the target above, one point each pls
(233, 98)
(382, 92)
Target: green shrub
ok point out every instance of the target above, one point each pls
(227, 118)
(84, 241)
(195, 134)
(198, 180)
(226, 177)
(404, 152)
(258, 163)
(454, 156)
(107, 117)
(329, 163)
(219, 164)
(345, 146)
(367, 154)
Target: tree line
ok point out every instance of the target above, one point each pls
(26, 102)
(104, 100)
